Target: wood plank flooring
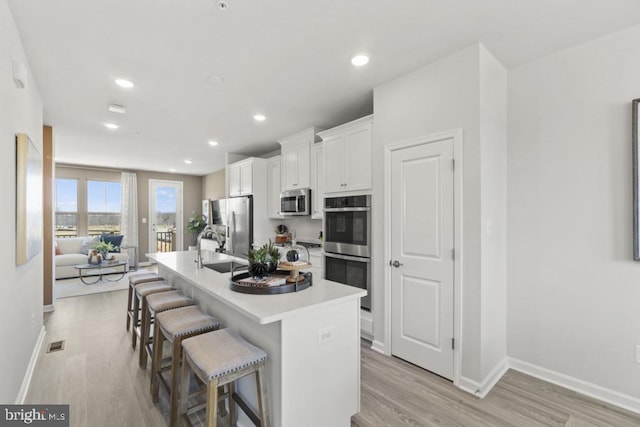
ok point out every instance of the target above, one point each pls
(97, 374)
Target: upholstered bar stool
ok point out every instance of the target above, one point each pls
(134, 280)
(142, 291)
(157, 303)
(218, 358)
(175, 326)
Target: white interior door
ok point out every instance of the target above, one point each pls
(165, 216)
(422, 255)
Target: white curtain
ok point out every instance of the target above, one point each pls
(129, 209)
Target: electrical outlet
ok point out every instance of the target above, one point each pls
(637, 353)
(325, 335)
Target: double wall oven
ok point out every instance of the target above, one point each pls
(347, 242)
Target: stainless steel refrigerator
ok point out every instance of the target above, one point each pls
(235, 215)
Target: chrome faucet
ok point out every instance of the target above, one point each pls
(208, 227)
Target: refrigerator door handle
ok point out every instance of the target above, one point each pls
(233, 231)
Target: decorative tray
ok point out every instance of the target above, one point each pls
(243, 283)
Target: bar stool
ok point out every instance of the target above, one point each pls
(157, 303)
(218, 358)
(140, 304)
(134, 280)
(175, 326)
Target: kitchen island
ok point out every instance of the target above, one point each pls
(312, 339)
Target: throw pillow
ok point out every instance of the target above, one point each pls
(58, 251)
(115, 239)
(87, 244)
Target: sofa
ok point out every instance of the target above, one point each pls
(70, 251)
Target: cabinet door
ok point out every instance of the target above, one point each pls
(358, 159)
(289, 168)
(246, 178)
(334, 164)
(302, 167)
(273, 187)
(317, 182)
(234, 180)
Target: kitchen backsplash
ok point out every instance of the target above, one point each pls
(307, 229)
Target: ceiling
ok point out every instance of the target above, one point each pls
(286, 59)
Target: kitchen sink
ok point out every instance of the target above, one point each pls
(225, 267)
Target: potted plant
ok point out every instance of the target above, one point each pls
(264, 260)
(195, 226)
(104, 248)
(274, 256)
(258, 262)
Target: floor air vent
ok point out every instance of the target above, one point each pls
(55, 346)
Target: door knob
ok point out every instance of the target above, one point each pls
(395, 263)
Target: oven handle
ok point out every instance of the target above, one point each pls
(347, 257)
(362, 209)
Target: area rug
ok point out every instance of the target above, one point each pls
(73, 287)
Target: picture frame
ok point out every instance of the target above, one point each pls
(28, 199)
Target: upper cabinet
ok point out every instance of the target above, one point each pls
(347, 156)
(295, 159)
(317, 181)
(273, 187)
(241, 176)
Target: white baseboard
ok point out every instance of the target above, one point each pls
(26, 381)
(483, 388)
(145, 264)
(613, 397)
(48, 308)
(378, 346)
(366, 323)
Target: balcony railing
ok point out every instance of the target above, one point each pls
(165, 241)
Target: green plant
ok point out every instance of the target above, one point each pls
(104, 247)
(196, 224)
(272, 252)
(259, 262)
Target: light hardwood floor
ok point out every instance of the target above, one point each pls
(97, 374)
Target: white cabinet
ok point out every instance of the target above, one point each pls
(241, 178)
(347, 156)
(273, 187)
(295, 159)
(317, 181)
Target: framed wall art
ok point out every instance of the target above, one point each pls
(28, 199)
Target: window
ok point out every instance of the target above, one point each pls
(66, 203)
(103, 207)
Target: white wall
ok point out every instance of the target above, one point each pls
(574, 291)
(447, 95)
(21, 287)
(493, 165)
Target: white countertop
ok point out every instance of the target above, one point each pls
(261, 308)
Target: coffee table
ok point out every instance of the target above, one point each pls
(108, 267)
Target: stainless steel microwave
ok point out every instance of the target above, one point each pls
(295, 202)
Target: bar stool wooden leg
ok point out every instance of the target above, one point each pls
(144, 336)
(212, 403)
(129, 308)
(157, 361)
(262, 394)
(135, 321)
(175, 373)
(232, 404)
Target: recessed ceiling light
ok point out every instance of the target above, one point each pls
(259, 118)
(188, 161)
(124, 83)
(111, 125)
(172, 170)
(360, 60)
(115, 108)
(213, 143)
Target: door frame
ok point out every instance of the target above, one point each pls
(456, 136)
(180, 201)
